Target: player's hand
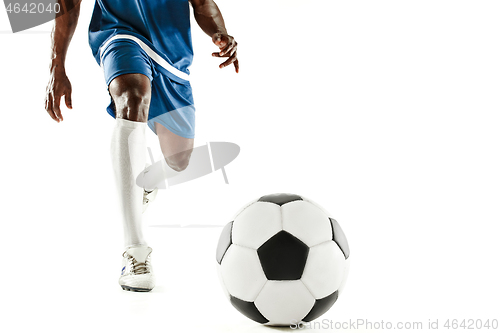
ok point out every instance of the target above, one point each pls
(227, 46)
(58, 86)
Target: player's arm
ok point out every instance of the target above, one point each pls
(59, 85)
(210, 20)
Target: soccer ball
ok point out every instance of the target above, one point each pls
(282, 260)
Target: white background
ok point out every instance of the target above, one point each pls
(384, 112)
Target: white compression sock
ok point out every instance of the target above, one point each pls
(128, 155)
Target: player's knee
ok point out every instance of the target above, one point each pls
(132, 105)
(179, 161)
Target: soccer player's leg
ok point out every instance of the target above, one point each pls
(128, 74)
(176, 151)
(175, 148)
(172, 119)
(131, 94)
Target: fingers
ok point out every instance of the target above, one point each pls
(48, 107)
(228, 48)
(225, 43)
(56, 89)
(56, 109)
(232, 59)
(67, 99)
(52, 106)
(236, 66)
(229, 51)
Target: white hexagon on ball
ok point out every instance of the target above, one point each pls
(283, 302)
(306, 222)
(242, 273)
(256, 224)
(324, 270)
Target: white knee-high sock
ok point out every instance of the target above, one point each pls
(128, 155)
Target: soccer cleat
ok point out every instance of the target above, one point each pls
(137, 272)
(147, 197)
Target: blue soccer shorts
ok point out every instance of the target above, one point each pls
(171, 103)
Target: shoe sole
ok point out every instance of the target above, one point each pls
(127, 288)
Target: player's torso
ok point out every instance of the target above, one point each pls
(149, 17)
(163, 24)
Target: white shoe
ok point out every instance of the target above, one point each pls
(147, 197)
(137, 272)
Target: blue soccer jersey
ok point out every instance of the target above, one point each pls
(163, 25)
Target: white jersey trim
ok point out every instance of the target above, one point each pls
(152, 54)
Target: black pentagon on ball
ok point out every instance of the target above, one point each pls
(283, 257)
(321, 306)
(280, 198)
(339, 238)
(225, 240)
(248, 309)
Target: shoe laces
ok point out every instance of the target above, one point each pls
(139, 267)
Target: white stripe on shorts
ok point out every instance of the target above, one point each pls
(152, 54)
